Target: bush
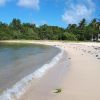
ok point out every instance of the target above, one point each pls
(69, 36)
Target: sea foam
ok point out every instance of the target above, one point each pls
(20, 87)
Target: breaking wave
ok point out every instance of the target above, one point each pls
(20, 87)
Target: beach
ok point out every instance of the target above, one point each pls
(77, 74)
(19, 60)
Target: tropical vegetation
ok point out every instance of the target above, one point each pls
(77, 32)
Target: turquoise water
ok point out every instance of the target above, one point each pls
(19, 60)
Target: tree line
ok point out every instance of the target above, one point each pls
(77, 32)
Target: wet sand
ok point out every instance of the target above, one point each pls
(19, 60)
(79, 80)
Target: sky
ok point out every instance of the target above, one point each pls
(51, 12)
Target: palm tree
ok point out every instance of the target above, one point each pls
(69, 26)
(82, 24)
(93, 23)
(16, 23)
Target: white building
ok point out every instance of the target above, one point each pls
(95, 38)
(98, 37)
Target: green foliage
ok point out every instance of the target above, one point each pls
(74, 32)
(69, 36)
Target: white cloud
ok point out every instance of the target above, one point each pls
(44, 22)
(3, 2)
(33, 4)
(76, 12)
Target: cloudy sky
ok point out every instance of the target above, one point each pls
(52, 12)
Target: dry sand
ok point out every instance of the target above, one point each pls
(79, 79)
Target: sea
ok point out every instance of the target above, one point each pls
(20, 63)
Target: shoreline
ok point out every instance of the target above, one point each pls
(21, 86)
(80, 82)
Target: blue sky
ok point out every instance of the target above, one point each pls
(52, 12)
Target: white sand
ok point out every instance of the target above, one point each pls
(79, 81)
